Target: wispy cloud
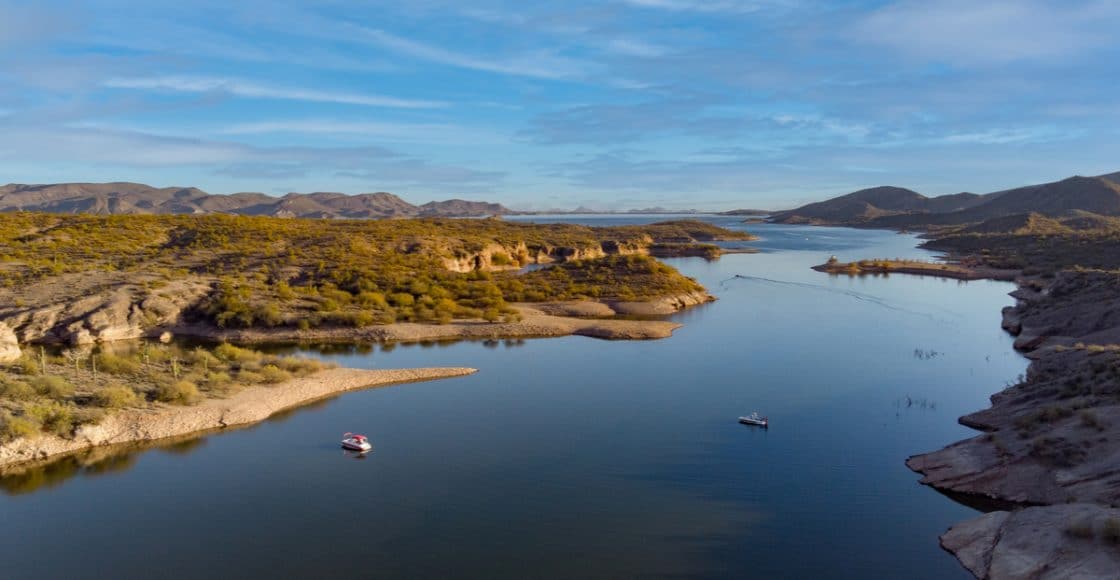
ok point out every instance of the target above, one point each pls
(965, 32)
(392, 131)
(249, 89)
(735, 6)
(634, 47)
(132, 149)
(544, 64)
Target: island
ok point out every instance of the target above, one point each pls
(959, 270)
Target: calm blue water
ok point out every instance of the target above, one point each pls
(574, 457)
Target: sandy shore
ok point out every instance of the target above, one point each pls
(248, 406)
(538, 321)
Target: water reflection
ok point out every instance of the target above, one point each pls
(93, 462)
(576, 458)
(356, 455)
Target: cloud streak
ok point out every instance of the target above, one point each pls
(990, 33)
(96, 146)
(250, 89)
(542, 64)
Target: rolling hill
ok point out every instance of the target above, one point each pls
(896, 207)
(137, 198)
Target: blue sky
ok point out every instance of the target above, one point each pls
(709, 104)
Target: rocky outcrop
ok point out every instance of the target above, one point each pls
(1039, 543)
(1034, 454)
(9, 345)
(111, 311)
(577, 308)
(662, 306)
(494, 257)
(1054, 437)
(507, 257)
(249, 406)
(1051, 440)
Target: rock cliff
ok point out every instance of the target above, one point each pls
(113, 308)
(9, 344)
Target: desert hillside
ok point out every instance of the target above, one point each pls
(137, 198)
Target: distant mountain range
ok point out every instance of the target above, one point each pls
(896, 207)
(137, 198)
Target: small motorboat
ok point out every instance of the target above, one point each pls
(355, 442)
(755, 419)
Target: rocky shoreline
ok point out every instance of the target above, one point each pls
(248, 406)
(1050, 447)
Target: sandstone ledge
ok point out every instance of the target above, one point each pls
(1039, 543)
(248, 406)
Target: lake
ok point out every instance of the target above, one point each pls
(575, 457)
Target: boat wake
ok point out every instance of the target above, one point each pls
(868, 298)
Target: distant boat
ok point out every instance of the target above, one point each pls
(754, 419)
(355, 442)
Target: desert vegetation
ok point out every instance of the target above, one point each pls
(55, 392)
(1035, 244)
(262, 272)
(877, 266)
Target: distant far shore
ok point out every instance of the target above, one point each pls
(918, 268)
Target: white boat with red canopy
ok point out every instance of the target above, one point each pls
(355, 442)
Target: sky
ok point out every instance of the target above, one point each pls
(612, 104)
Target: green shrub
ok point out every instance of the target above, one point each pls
(52, 387)
(284, 291)
(247, 377)
(56, 418)
(116, 365)
(204, 358)
(370, 299)
(26, 365)
(178, 393)
(273, 374)
(12, 428)
(269, 315)
(218, 378)
(228, 352)
(300, 366)
(16, 390)
(402, 299)
(115, 397)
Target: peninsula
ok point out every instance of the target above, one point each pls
(77, 290)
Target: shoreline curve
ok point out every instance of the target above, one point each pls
(251, 405)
